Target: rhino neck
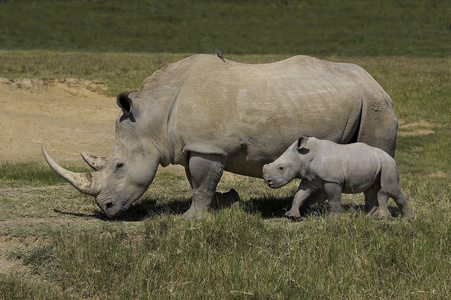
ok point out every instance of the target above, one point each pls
(161, 110)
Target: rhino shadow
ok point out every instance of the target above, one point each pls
(268, 208)
(147, 208)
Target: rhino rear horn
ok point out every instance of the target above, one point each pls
(95, 162)
(84, 182)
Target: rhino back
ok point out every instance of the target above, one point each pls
(355, 166)
(252, 113)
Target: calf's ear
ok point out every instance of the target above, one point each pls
(302, 141)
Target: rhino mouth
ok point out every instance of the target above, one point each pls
(271, 183)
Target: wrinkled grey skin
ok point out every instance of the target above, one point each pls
(209, 116)
(335, 169)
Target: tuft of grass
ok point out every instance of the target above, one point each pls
(18, 288)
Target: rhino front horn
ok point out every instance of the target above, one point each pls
(95, 162)
(84, 182)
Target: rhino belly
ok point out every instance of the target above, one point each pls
(239, 163)
(359, 183)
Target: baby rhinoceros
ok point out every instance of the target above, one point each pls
(335, 169)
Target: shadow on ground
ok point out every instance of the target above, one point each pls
(268, 208)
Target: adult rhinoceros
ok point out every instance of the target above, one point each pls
(210, 116)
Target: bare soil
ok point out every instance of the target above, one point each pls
(68, 116)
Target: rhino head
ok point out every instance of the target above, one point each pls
(125, 174)
(288, 166)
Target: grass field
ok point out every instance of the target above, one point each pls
(55, 243)
(320, 27)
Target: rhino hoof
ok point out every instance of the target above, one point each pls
(410, 215)
(292, 216)
(378, 213)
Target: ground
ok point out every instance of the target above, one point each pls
(68, 116)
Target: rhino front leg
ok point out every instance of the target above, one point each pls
(220, 200)
(304, 191)
(204, 173)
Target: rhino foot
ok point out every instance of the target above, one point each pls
(378, 213)
(193, 213)
(408, 214)
(292, 215)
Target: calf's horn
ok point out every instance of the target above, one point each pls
(95, 162)
(84, 182)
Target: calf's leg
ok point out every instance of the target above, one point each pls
(401, 202)
(333, 191)
(380, 209)
(303, 192)
(390, 186)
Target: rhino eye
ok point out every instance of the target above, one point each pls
(280, 168)
(119, 165)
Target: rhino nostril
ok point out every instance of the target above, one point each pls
(108, 205)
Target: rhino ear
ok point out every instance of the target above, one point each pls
(301, 142)
(125, 102)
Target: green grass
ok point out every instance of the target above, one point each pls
(321, 28)
(119, 72)
(236, 254)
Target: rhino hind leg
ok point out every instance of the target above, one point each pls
(378, 128)
(333, 191)
(379, 210)
(376, 202)
(204, 173)
(401, 202)
(391, 187)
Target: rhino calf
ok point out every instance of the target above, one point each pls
(335, 169)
